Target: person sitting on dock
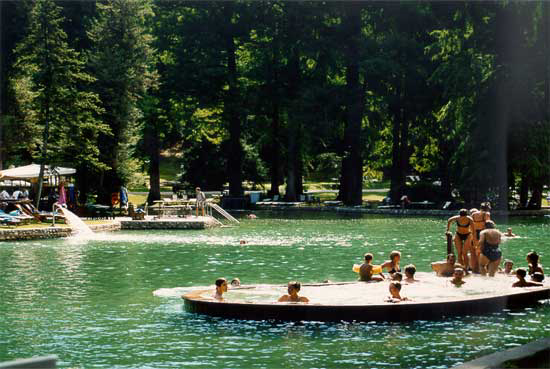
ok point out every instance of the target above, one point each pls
(395, 296)
(533, 260)
(521, 274)
(366, 270)
(392, 265)
(200, 201)
(410, 271)
(489, 258)
(221, 287)
(293, 289)
(508, 265)
(458, 276)
(445, 268)
(537, 277)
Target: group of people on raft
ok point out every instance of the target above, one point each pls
(477, 244)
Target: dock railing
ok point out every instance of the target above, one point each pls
(211, 207)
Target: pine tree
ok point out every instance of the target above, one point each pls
(49, 84)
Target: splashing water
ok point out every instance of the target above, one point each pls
(77, 225)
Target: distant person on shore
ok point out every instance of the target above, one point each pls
(479, 217)
(533, 260)
(293, 289)
(395, 293)
(489, 258)
(410, 271)
(445, 268)
(508, 265)
(458, 276)
(392, 265)
(200, 199)
(366, 270)
(521, 274)
(463, 235)
(221, 287)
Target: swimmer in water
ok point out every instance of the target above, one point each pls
(508, 265)
(242, 242)
(395, 296)
(365, 271)
(293, 289)
(445, 268)
(392, 265)
(221, 287)
(397, 276)
(235, 282)
(410, 270)
(509, 233)
(251, 216)
(521, 274)
(458, 276)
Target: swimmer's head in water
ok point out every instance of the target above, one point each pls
(368, 256)
(220, 282)
(533, 257)
(395, 255)
(395, 287)
(410, 270)
(463, 212)
(236, 282)
(537, 277)
(458, 273)
(509, 263)
(521, 273)
(397, 277)
(490, 224)
(293, 285)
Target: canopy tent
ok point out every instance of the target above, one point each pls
(32, 171)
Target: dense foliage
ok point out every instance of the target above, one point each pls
(258, 92)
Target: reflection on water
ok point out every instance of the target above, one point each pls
(91, 301)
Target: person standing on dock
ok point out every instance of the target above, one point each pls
(463, 235)
(479, 217)
(200, 201)
(489, 240)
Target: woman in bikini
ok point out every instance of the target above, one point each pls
(479, 217)
(392, 265)
(463, 235)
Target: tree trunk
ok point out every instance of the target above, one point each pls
(154, 172)
(275, 149)
(397, 175)
(352, 163)
(234, 160)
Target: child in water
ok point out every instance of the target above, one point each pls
(293, 289)
(533, 260)
(235, 282)
(366, 270)
(521, 274)
(458, 276)
(508, 265)
(221, 287)
(410, 270)
(398, 277)
(395, 289)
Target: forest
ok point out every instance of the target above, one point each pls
(244, 93)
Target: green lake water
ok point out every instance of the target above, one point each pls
(92, 303)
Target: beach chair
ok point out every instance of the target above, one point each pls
(7, 219)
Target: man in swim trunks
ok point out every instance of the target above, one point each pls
(445, 268)
(365, 271)
(463, 235)
(490, 254)
(221, 287)
(293, 289)
(479, 217)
